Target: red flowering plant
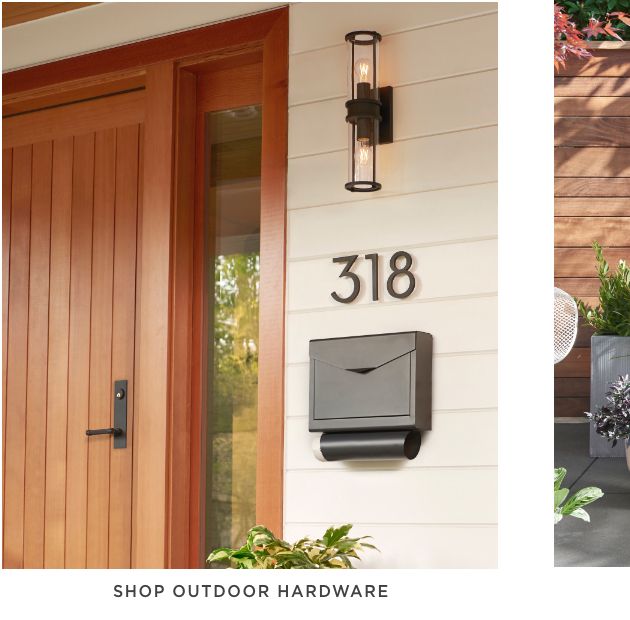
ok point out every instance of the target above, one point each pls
(576, 22)
(568, 39)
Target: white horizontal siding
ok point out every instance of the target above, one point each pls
(457, 325)
(438, 202)
(394, 222)
(408, 57)
(474, 375)
(418, 165)
(313, 29)
(311, 282)
(417, 546)
(473, 433)
(421, 109)
(356, 494)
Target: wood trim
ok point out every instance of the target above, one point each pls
(198, 361)
(215, 94)
(216, 40)
(72, 92)
(153, 384)
(7, 175)
(182, 326)
(74, 119)
(270, 453)
(230, 88)
(14, 13)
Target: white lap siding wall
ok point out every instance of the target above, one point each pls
(439, 203)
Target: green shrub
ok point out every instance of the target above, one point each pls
(263, 550)
(612, 316)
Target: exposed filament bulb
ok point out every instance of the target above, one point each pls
(363, 70)
(363, 162)
(364, 155)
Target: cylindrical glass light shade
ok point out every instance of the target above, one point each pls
(363, 110)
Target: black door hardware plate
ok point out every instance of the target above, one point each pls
(120, 413)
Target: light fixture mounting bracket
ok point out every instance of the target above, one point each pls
(386, 125)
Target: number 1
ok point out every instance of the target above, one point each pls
(374, 259)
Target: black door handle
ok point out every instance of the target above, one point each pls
(119, 430)
(104, 431)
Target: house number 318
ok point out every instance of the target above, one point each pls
(400, 266)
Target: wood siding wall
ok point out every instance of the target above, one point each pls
(69, 279)
(592, 195)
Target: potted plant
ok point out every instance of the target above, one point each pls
(565, 506)
(263, 549)
(612, 420)
(610, 344)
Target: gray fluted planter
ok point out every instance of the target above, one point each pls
(628, 453)
(610, 357)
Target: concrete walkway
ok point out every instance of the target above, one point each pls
(606, 540)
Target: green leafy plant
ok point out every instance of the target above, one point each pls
(263, 550)
(612, 315)
(565, 506)
(600, 19)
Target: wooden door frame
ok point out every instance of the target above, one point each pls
(166, 444)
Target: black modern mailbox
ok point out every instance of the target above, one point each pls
(370, 395)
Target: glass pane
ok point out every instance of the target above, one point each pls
(233, 203)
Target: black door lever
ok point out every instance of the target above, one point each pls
(119, 430)
(105, 431)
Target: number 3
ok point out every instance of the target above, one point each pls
(346, 273)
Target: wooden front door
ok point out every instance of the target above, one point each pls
(71, 190)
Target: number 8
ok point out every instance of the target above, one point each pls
(400, 272)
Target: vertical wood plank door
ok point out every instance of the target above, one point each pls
(71, 182)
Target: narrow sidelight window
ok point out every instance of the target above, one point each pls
(233, 156)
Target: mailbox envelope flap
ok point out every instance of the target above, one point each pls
(362, 352)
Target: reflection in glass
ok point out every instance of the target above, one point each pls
(233, 203)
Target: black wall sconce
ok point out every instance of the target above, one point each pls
(369, 109)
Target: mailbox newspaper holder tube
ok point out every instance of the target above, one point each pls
(370, 396)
